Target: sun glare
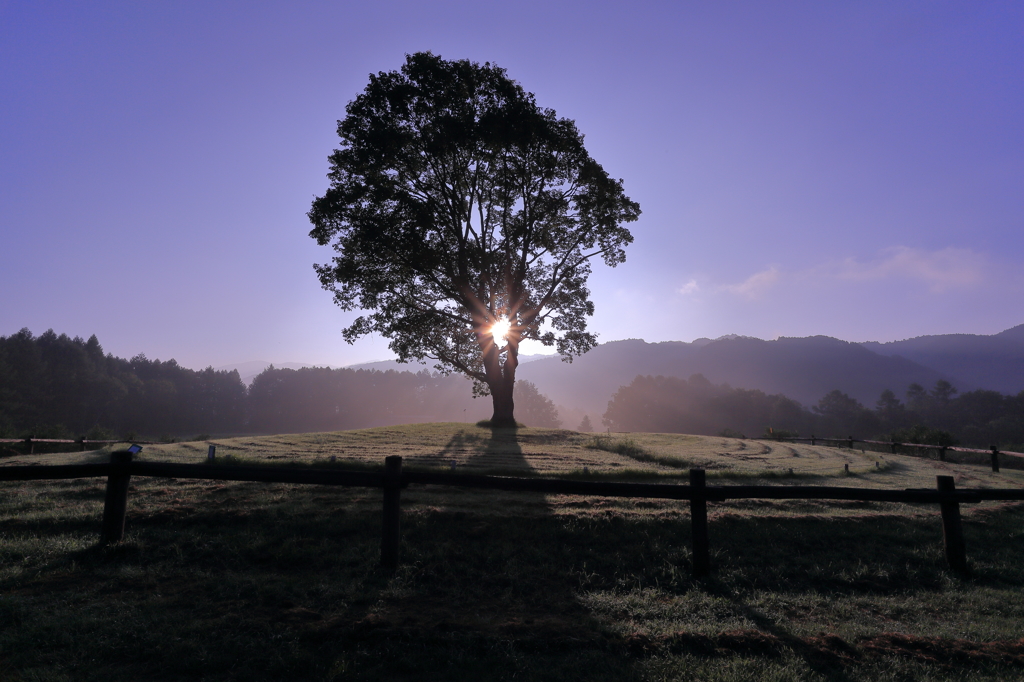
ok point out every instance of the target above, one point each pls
(500, 329)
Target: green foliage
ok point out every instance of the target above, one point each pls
(53, 380)
(534, 408)
(673, 405)
(923, 435)
(99, 433)
(47, 431)
(455, 201)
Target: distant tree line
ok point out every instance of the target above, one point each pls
(937, 416)
(323, 399)
(60, 387)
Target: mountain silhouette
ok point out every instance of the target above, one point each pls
(994, 362)
(804, 369)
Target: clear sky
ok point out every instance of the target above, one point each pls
(853, 169)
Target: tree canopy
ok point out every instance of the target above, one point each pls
(465, 218)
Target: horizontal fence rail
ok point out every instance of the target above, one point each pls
(993, 452)
(122, 467)
(30, 443)
(850, 442)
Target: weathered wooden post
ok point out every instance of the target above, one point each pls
(995, 458)
(892, 445)
(699, 524)
(952, 529)
(28, 445)
(115, 506)
(813, 439)
(851, 442)
(81, 443)
(942, 454)
(390, 531)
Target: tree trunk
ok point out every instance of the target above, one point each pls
(501, 379)
(504, 406)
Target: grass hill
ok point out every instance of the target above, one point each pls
(560, 452)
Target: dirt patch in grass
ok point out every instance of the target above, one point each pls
(945, 651)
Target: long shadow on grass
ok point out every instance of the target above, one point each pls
(266, 582)
(486, 587)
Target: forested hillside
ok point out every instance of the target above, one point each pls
(939, 415)
(994, 362)
(803, 369)
(61, 387)
(56, 386)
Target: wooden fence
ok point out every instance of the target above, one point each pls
(30, 443)
(122, 467)
(993, 451)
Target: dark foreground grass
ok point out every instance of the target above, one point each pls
(278, 582)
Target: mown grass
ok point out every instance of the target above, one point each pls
(558, 452)
(269, 582)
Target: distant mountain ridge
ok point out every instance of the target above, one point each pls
(994, 362)
(804, 369)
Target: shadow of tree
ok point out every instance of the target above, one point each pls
(262, 582)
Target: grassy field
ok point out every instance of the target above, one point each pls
(270, 582)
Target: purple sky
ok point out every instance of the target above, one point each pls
(848, 169)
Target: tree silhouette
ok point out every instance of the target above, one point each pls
(465, 219)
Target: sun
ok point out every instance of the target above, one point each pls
(500, 329)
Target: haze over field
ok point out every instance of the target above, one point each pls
(853, 171)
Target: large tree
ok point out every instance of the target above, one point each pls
(465, 218)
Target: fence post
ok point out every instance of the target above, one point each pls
(699, 524)
(892, 445)
(851, 442)
(115, 506)
(29, 446)
(995, 458)
(952, 529)
(389, 533)
(81, 443)
(813, 439)
(942, 454)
